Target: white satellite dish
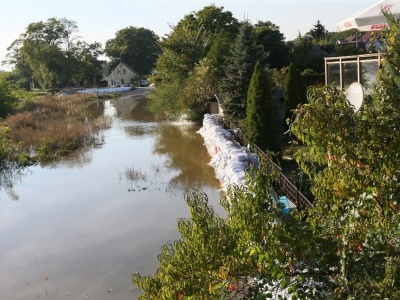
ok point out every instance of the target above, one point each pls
(355, 95)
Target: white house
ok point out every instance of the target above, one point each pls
(122, 75)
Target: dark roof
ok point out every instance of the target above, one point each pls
(129, 68)
(126, 66)
(365, 37)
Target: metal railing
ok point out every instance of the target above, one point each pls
(287, 187)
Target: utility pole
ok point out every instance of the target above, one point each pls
(356, 39)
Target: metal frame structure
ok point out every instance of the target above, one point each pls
(358, 60)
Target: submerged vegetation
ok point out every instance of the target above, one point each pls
(49, 127)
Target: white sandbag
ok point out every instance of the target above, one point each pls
(228, 158)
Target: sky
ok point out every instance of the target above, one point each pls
(99, 20)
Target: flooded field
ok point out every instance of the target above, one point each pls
(77, 229)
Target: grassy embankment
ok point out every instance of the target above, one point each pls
(49, 127)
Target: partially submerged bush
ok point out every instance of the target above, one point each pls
(51, 126)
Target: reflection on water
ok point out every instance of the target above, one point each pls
(83, 225)
(9, 176)
(181, 144)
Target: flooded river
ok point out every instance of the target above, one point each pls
(79, 228)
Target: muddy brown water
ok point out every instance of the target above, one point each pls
(79, 228)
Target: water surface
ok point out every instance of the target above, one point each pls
(77, 229)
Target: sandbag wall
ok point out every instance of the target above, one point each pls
(229, 159)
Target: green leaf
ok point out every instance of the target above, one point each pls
(284, 284)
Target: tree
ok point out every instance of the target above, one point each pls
(345, 247)
(318, 32)
(211, 19)
(86, 66)
(192, 37)
(199, 91)
(348, 50)
(306, 55)
(219, 52)
(8, 99)
(16, 58)
(260, 113)
(244, 55)
(49, 52)
(47, 47)
(295, 90)
(272, 40)
(137, 47)
(182, 51)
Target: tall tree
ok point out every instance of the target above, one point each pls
(137, 47)
(49, 52)
(260, 113)
(295, 91)
(211, 19)
(244, 55)
(272, 40)
(16, 58)
(318, 32)
(305, 55)
(41, 46)
(345, 247)
(182, 50)
(199, 91)
(219, 51)
(192, 37)
(8, 99)
(86, 66)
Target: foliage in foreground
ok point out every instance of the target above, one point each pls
(352, 161)
(356, 177)
(253, 253)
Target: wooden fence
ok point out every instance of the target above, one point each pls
(287, 187)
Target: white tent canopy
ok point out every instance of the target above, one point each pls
(371, 18)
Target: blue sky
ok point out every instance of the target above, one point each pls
(98, 20)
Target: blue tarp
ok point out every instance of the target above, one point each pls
(284, 200)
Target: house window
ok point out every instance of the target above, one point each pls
(122, 81)
(123, 71)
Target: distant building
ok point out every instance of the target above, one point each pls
(342, 71)
(122, 75)
(367, 41)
